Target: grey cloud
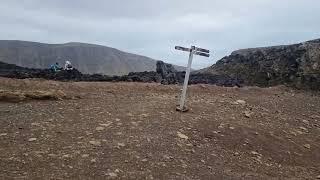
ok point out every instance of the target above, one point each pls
(153, 28)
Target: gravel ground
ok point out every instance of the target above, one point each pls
(132, 131)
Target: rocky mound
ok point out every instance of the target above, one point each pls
(295, 65)
(17, 96)
(165, 74)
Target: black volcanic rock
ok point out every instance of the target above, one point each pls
(219, 80)
(166, 75)
(144, 77)
(164, 69)
(167, 72)
(295, 65)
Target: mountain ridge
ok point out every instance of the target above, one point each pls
(88, 58)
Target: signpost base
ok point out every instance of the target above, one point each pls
(185, 109)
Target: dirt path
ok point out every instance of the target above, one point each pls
(132, 131)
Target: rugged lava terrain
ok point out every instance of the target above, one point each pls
(296, 65)
(132, 131)
(165, 73)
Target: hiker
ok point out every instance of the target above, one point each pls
(55, 67)
(68, 66)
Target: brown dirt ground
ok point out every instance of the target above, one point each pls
(132, 131)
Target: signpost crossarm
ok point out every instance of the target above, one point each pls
(186, 80)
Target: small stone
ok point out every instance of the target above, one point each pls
(38, 155)
(167, 157)
(32, 139)
(144, 115)
(52, 155)
(303, 128)
(106, 125)
(112, 174)
(99, 128)
(242, 102)
(299, 132)
(318, 177)
(134, 123)
(119, 124)
(3, 134)
(231, 127)
(305, 121)
(182, 136)
(236, 153)
(66, 156)
(117, 119)
(121, 145)
(144, 160)
(89, 133)
(247, 114)
(96, 143)
(254, 153)
(213, 154)
(35, 124)
(203, 86)
(150, 177)
(308, 146)
(293, 133)
(93, 160)
(85, 155)
(221, 126)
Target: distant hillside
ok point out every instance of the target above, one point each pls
(297, 65)
(88, 58)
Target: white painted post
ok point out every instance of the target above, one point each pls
(186, 79)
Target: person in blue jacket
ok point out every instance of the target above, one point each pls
(55, 67)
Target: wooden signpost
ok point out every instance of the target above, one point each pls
(192, 51)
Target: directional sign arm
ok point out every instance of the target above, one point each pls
(202, 54)
(202, 50)
(182, 48)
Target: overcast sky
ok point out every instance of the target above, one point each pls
(152, 28)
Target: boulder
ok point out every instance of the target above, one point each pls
(167, 73)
